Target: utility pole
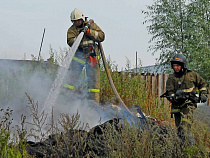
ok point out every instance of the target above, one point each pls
(136, 62)
(41, 45)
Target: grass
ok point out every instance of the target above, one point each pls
(73, 140)
(8, 147)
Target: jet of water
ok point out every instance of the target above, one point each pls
(55, 88)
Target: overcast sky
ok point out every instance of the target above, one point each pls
(22, 23)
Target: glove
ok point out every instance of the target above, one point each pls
(203, 97)
(179, 94)
(171, 98)
(86, 29)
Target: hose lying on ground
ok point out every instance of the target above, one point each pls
(110, 79)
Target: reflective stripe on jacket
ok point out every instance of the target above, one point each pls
(189, 82)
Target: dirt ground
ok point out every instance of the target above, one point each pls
(203, 113)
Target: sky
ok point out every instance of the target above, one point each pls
(23, 23)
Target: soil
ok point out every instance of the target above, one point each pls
(202, 113)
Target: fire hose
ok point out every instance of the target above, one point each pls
(109, 76)
(110, 79)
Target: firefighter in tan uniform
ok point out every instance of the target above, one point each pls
(86, 55)
(184, 81)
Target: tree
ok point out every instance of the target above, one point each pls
(199, 42)
(166, 19)
(180, 26)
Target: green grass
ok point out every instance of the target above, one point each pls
(9, 148)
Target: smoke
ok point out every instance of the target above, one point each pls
(25, 84)
(19, 78)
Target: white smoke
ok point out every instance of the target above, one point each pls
(18, 78)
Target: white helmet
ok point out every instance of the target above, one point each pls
(77, 14)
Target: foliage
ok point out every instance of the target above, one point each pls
(180, 26)
(8, 149)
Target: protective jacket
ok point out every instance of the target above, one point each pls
(95, 35)
(188, 82)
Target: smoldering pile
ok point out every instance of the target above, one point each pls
(74, 143)
(95, 142)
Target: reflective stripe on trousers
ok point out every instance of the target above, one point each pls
(79, 60)
(94, 90)
(68, 86)
(175, 110)
(82, 61)
(186, 120)
(72, 87)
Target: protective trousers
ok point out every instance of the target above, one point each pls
(93, 76)
(183, 121)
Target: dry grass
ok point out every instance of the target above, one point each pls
(114, 140)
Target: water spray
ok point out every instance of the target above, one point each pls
(55, 88)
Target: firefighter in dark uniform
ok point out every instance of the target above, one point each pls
(184, 81)
(86, 55)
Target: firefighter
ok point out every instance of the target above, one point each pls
(183, 80)
(87, 53)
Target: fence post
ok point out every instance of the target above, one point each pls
(164, 83)
(154, 85)
(151, 85)
(157, 86)
(208, 102)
